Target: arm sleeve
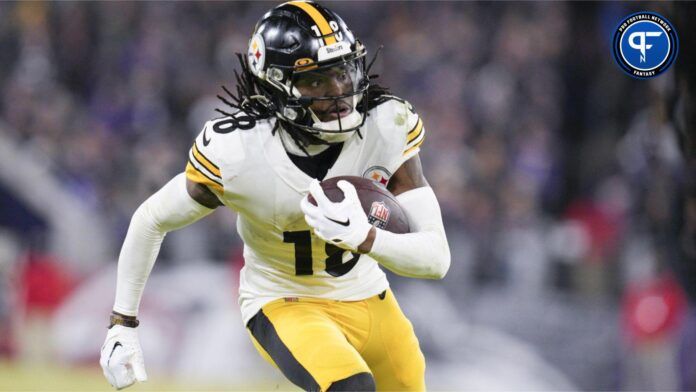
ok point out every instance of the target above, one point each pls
(423, 253)
(168, 209)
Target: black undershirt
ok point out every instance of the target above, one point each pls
(316, 166)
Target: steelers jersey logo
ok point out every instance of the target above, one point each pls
(378, 174)
(256, 55)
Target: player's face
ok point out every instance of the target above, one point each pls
(327, 83)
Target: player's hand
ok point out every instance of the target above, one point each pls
(122, 357)
(343, 224)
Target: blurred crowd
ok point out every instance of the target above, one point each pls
(558, 175)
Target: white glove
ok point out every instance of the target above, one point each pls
(343, 224)
(122, 357)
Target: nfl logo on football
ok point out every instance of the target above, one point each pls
(379, 215)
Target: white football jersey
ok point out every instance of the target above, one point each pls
(247, 167)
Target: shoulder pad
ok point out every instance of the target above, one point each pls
(217, 143)
(400, 114)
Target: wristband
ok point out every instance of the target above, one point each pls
(120, 319)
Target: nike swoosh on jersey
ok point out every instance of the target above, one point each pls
(206, 141)
(117, 344)
(346, 223)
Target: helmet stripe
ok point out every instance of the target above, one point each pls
(318, 19)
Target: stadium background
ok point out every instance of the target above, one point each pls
(560, 179)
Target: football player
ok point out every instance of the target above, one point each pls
(312, 295)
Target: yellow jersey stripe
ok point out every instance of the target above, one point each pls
(416, 140)
(318, 19)
(198, 166)
(199, 177)
(205, 161)
(206, 175)
(414, 146)
(415, 132)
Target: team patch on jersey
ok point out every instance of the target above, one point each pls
(378, 174)
(379, 215)
(256, 54)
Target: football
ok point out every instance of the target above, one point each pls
(381, 207)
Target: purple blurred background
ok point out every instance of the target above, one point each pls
(562, 180)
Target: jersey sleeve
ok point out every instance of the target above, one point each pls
(415, 135)
(202, 167)
(408, 135)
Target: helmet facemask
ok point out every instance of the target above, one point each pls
(323, 98)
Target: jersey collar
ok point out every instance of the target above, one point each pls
(345, 165)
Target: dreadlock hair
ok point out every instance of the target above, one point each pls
(375, 94)
(251, 99)
(248, 98)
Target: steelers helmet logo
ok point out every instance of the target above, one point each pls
(256, 55)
